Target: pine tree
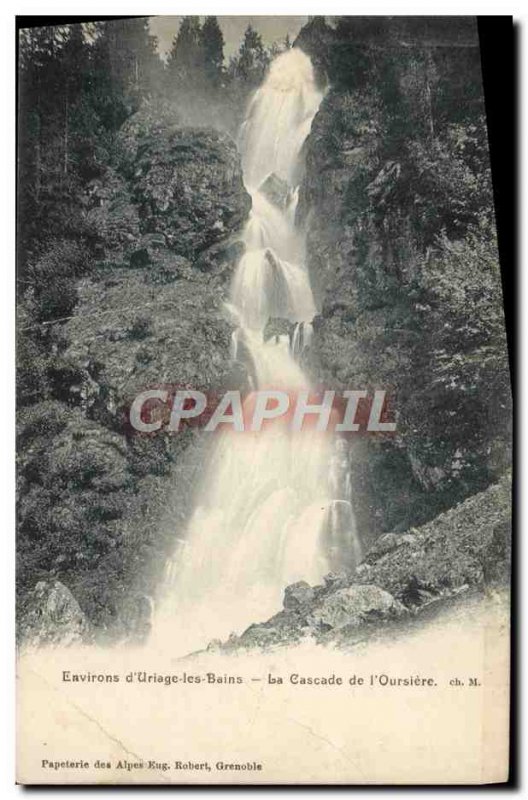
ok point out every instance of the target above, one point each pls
(75, 93)
(145, 66)
(248, 67)
(213, 51)
(275, 49)
(128, 63)
(186, 60)
(41, 117)
(74, 57)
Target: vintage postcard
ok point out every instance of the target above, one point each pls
(264, 405)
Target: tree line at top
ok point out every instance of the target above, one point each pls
(122, 56)
(198, 54)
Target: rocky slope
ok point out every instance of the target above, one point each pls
(404, 577)
(95, 512)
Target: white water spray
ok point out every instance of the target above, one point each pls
(268, 513)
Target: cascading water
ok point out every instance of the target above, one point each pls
(267, 514)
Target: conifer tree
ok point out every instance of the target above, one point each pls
(252, 60)
(186, 60)
(213, 51)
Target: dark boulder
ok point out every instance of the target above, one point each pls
(297, 596)
(147, 251)
(355, 605)
(52, 616)
(278, 326)
(276, 191)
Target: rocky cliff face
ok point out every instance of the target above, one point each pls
(401, 250)
(50, 615)
(95, 511)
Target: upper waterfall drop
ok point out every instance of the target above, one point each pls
(279, 119)
(271, 280)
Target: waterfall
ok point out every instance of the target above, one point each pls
(267, 513)
(302, 336)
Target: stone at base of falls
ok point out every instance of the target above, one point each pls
(276, 190)
(354, 605)
(298, 595)
(52, 616)
(335, 580)
(278, 326)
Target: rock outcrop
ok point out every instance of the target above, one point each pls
(353, 606)
(276, 190)
(298, 596)
(51, 615)
(278, 326)
(466, 546)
